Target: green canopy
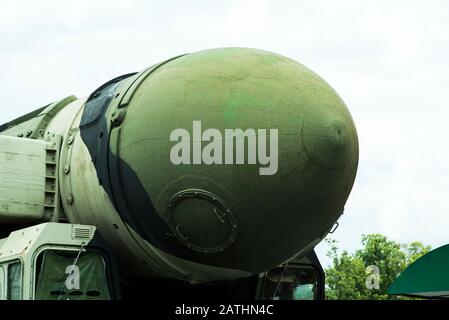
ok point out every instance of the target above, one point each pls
(427, 277)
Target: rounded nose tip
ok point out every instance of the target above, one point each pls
(325, 143)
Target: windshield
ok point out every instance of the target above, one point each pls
(292, 283)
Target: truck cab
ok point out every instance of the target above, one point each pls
(300, 279)
(55, 261)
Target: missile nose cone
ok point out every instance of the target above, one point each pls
(327, 142)
(187, 190)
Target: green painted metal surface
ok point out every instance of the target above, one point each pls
(34, 124)
(426, 277)
(232, 88)
(203, 221)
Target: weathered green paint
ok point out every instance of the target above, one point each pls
(246, 88)
(34, 124)
(426, 277)
(29, 191)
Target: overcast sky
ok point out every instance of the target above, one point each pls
(389, 61)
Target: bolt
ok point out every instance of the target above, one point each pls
(69, 198)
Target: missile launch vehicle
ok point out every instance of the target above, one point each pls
(209, 175)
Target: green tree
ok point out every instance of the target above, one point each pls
(347, 278)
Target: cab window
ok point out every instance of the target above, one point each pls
(292, 283)
(14, 281)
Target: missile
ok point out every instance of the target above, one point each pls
(209, 166)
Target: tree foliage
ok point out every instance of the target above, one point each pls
(351, 276)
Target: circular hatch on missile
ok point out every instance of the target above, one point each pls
(201, 221)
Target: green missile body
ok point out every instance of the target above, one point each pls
(209, 166)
